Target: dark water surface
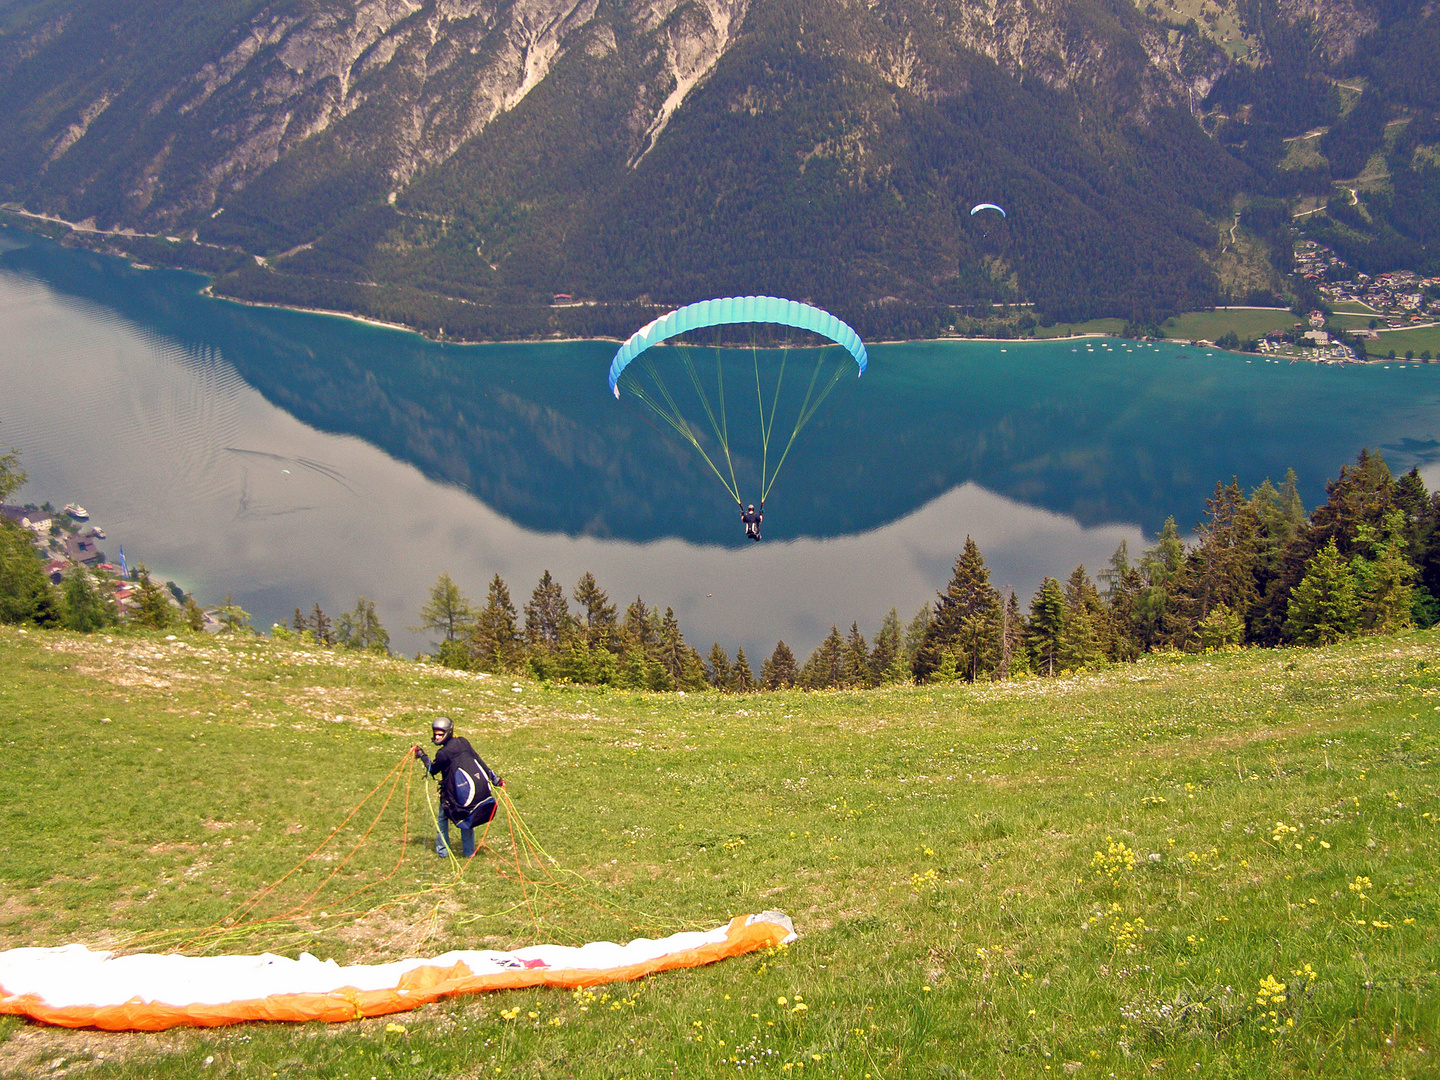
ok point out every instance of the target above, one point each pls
(285, 457)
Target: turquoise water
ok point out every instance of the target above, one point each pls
(286, 457)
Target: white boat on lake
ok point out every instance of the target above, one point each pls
(76, 511)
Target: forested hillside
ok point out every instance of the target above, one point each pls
(453, 166)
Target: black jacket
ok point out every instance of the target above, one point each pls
(455, 753)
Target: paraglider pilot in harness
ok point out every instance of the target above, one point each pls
(752, 520)
(465, 796)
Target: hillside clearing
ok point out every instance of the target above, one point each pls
(1095, 874)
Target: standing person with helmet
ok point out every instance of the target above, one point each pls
(752, 520)
(465, 796)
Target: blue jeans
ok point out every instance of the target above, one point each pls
(479, 816)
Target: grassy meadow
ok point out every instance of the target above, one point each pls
(1093, 326)
(1219, 866)
(1416, 341)
(1248, 323)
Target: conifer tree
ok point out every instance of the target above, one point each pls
(855, 663)
(889, 645)
(12, 477)
(495, 642)
(1384, 579)
(1114, 573)
(152, 605)
(1046, 628)
(966, 623)
(1220, 629)
(233, 618)
(1324, 607)
(682, 664)
(639, 649)
(1080, 644)
(1127, 638)
(744, 678)
(85, 607)
(26, 594)
(193, 614)
(1280, 515)
(1282, 548)
(692, 670)
(721, 675)
(548, 622)
(1159, 567)
(639, 624)
(1361, 495)
(1081, 597)
(599, 614)
(448, 610)
(1222, 567)
(915, 636)
(361, 629)
(779, 671)
(299, 624)
(1163, 561)
(321, 626)
(823, 667)
(1413, 502)
(634, 666)
(1014, 656)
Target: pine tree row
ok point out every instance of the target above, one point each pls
(1258, 571)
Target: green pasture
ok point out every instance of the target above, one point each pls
(1416, 341)
(1222, 24)
(1219, 866)
(1302, 153)
(1248, 323)
(1093, 326)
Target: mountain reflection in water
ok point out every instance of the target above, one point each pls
(128, 391)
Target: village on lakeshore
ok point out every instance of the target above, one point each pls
(67, 543)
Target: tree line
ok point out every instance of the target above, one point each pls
(1259, 571)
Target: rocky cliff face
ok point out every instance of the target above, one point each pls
(1339, 25)
(403, 84)
(490, 148)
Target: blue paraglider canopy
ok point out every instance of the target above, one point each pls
(673, 382)
(987, 206)
(737, 309)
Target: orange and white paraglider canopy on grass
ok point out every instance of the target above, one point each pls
(73, 986)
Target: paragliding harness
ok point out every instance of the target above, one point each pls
(466, 793)
(465, 780)
(752, 520)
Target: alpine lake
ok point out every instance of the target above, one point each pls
(286, 458)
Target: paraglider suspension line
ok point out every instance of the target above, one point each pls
(681, 426)
(807, 410)
(660, 399)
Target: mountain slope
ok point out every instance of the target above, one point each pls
(374, 154)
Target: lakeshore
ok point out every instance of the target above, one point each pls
(1412, 336)
(291, 459)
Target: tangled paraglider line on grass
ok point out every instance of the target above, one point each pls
(74, 986)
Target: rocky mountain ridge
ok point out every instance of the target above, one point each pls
(378, 141)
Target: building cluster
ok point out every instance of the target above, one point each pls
(1398, 297)
(65, 543)
(1320, 347)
